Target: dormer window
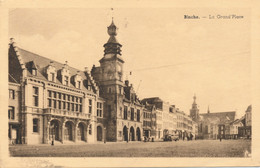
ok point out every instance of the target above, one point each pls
(51, 72)
(65, 75)
(32, 68)
(34, 72)
(66, 80)
(52, 77)
(78, 80)
(79, 84)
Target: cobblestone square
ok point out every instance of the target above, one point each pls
(199, 148)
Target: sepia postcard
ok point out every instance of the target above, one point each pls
(129, 83)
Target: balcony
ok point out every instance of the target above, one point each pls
(32, 109)
(65, 113)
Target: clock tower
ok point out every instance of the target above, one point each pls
(109, 77)
(194, 111)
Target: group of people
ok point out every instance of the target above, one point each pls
(189, 137)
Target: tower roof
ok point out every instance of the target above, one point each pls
(112, 29)
(194, 98)
(112, 46)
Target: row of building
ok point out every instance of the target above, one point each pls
(49, 101)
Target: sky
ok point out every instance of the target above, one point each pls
(170, 57)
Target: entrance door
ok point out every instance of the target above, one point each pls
(55, 128)
(81, 132)
(68, 131)
(132, 134)
(99, 133)
(125, 133)
(138, 134)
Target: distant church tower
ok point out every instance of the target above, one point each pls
(194, 111)
(109, 77)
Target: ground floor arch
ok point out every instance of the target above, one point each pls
(138, 134)
(125, 133)
(55, 130)
(81, 131)
(132, 134)
(99, 133)
(165, 132)
(69, 131)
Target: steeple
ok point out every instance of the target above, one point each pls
(112, 46)
(194, 98)
(194, 111)
(194, 104)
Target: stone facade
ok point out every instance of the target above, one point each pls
(185, 125)
(122, 109)
(14, 126)
(169, 119)
(53, 101)
(212, 125)
(245, 131)
(149, 122)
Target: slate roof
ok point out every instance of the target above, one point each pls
(32, 60)
(236, 121)
(152, 100)
(12, 79)
(221, 117)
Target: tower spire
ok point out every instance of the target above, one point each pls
(194, 98)
(194, 111)
(112, 46)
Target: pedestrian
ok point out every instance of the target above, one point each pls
(220, 138)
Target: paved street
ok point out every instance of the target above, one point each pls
(199, 148)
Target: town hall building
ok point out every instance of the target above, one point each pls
(51, 101)
(122, 109)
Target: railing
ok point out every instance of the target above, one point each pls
(66, 113)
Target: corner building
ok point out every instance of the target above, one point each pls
(122, 109)
(51, 101)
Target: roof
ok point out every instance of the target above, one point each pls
(152, 100)
(32, 60)
(12, 79)
(237, 121)
(149, 107)
(221, 117)
(112, 39)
